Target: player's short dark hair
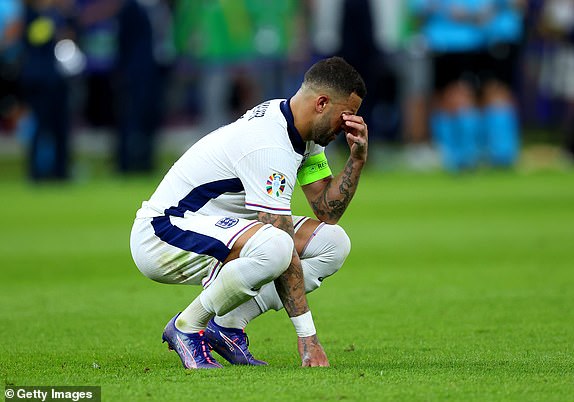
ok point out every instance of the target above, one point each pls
(336, 74)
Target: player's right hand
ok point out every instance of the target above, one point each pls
(311, 352)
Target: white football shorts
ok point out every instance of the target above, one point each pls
(186, 250)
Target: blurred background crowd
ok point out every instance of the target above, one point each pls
(457, 85)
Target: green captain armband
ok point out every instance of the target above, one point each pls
(315, 168)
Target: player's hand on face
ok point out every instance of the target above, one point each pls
(357, 135)
(311, 352)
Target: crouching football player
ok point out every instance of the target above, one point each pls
(221, 218)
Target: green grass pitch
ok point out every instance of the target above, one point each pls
(457, 288)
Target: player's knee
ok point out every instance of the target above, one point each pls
(271, 248)
(340, 245)
(325, 255)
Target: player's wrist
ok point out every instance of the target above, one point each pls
(358, 160)
(304, 325)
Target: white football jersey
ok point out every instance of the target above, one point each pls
(237, 170)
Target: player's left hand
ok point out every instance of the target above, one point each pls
(357, 135)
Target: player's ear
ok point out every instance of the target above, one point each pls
(321, 103)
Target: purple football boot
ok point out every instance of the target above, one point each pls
(231, 344)
(192, 349)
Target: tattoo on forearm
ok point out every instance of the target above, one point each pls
(290, 287)
(290, 284)
(333, 203)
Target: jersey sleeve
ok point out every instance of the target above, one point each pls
(314, 168)
(268, 176)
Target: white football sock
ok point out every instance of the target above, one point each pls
(263, 258)
(322, 256)
(239, 317)
(194, 318)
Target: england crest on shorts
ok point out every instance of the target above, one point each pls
(276, 184)
(226, 223)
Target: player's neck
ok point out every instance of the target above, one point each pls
(299, 107)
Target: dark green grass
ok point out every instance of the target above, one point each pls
(457, 288)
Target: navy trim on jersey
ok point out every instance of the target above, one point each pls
(249, 204)
(188, 240)
(201, 195)
(294, 136)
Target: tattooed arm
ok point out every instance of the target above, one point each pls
(289, 285)
(330, 197)
(291, 289)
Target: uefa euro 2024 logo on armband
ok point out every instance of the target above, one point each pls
(276, 184)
